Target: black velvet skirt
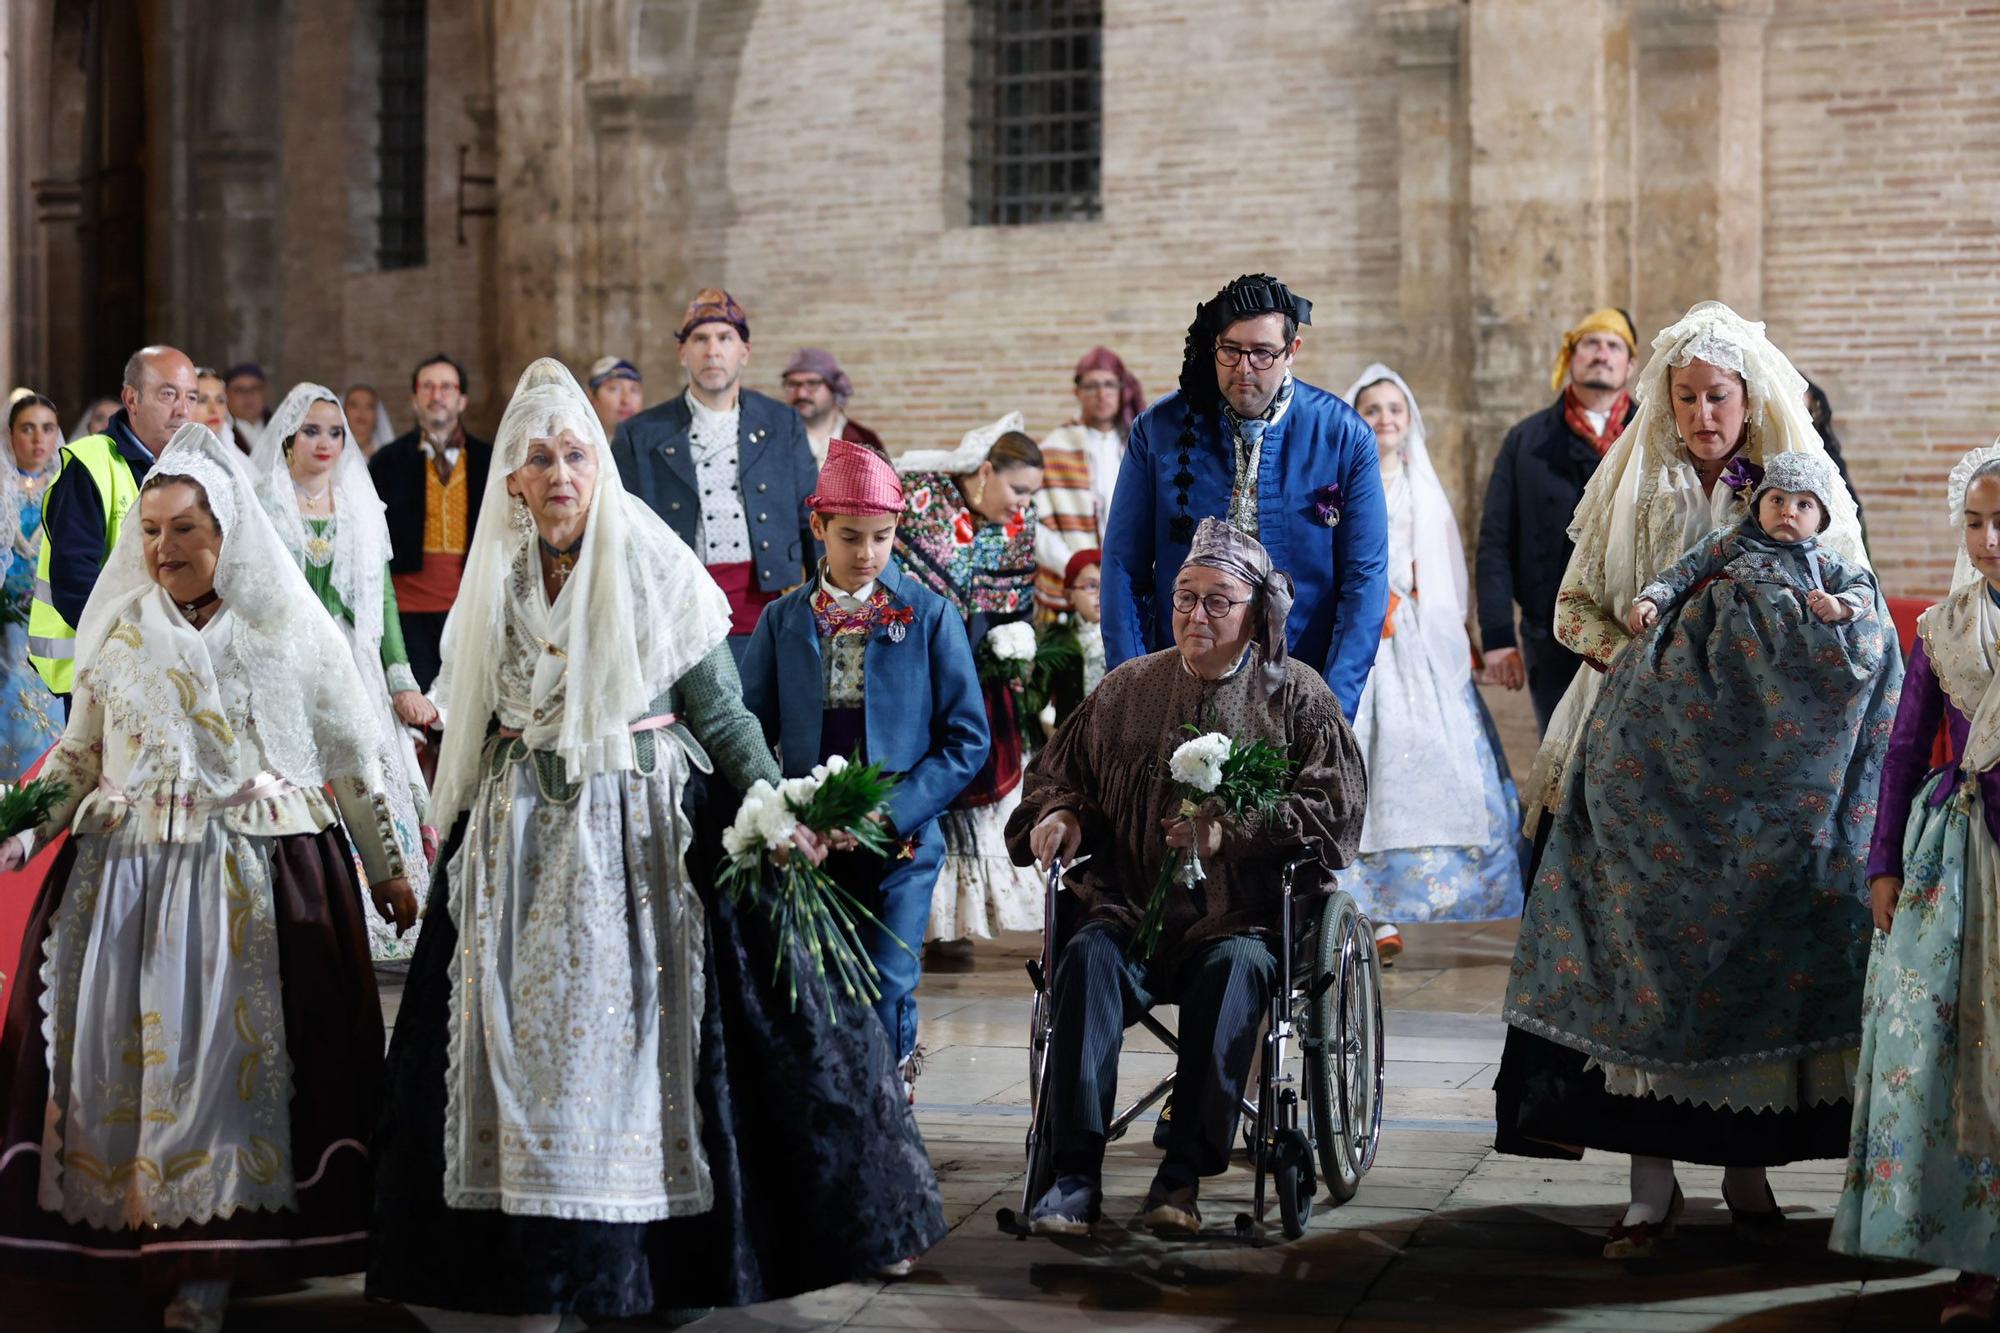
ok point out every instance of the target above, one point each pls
(1546, 1103)
(820, 1174)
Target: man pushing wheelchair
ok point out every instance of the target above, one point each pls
(1178, 897)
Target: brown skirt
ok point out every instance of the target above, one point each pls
(333, 1033)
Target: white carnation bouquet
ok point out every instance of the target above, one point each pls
(1239, 779)
(1007, 653)
(808, 908)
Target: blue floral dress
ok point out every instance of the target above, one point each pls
(30, 721)
(1699, 926)
(1912, 1189)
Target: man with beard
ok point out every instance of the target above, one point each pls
(727, 468)
(248, 412)
(430, 481)
(1544, 464)
(819, 390)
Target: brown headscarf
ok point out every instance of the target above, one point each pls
(1220, 547)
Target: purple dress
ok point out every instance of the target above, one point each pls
(1908, 763)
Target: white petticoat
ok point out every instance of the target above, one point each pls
(980, 891)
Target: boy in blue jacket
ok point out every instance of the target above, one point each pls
(863, 659)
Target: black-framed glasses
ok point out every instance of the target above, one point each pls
(1260, 358)
(1215, 605)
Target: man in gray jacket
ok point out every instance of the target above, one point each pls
(727, 468)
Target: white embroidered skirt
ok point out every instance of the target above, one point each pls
(577, 999)
(169, 1083)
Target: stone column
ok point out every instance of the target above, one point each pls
(638, 172)
(1432, 159)
(1540, 130)
(538, 280)
(1698, 148)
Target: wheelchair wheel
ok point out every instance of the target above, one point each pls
(1292, 1176)
(1344, 1047)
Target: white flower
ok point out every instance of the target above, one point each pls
(774, 824)
(834, 764)
(798, 792)
(1198, 763)
(762, 818)
(1047, 716)
(734, 841)
(1012, 642)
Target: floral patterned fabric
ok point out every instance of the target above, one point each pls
(1908, 1193)
(1452, 883)
(975, 565)
(29, 718)
(987, 572)
(1702, 903)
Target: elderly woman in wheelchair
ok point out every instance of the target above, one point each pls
(1099, 797)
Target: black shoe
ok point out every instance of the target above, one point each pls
(1163, 1127)
(1761, 1229)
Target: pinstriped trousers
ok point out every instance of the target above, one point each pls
(1223, 991)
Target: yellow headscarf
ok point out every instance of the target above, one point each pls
(1610, 319)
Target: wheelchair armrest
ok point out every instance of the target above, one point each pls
(1307, 855)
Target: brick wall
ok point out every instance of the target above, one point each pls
(826, 189)
(842, 218)
(1882, 247)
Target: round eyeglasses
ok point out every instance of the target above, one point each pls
(1215, 605)
(1260, 358)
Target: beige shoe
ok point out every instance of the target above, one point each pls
(1171, 1212)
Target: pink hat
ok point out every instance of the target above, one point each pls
(856, 480)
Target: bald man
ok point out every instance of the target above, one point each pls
(99, 481)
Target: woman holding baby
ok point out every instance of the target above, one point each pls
(1687, 983)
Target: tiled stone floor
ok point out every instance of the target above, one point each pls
(1444, 1234)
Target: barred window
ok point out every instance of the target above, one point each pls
(1037, 110)
(400, 146)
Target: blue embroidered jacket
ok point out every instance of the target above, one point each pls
(926, 718)
(1341, 570)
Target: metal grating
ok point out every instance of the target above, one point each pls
(400, 149)
(1037, 111)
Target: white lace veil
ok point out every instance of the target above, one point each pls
(973, 448)
(360, 533)
(647, 612)
(1442, 597)
(1968, 467)
(1637, 513)
(10, 509)
(306, 701)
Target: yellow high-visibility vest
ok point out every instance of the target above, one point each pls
(51, 639)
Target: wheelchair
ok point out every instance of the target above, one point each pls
(1328, 999)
